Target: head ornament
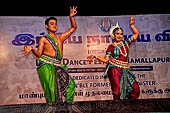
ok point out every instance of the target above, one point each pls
(112, 29)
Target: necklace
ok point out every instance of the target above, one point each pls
(57, 43)
(57, 40)
(125, 55)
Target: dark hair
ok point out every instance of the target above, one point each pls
(117, 29)
(50, 18)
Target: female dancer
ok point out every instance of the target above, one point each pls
(123, 82)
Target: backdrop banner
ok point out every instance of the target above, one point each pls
(149, 57)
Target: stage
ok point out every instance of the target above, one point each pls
(114, 106)
(21, 90)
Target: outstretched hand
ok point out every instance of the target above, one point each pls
(132, 20)
(27, 49)
(73, 11)
(89, 58)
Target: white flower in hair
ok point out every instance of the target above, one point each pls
(112, 29)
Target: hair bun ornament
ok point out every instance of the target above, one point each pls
(112, 29)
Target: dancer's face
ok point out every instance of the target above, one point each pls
(118, 35)
(52, 26)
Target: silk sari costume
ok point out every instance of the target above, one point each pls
(58, 85)
(123, 81)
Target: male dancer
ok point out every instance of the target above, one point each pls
(57, 84)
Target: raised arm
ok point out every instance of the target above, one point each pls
(66, 34)
(134, 29)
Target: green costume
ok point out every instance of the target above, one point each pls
(58, 85)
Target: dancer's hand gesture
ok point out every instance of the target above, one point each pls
(89, 58)
(27, 49)
(73, 11)
(132, 20)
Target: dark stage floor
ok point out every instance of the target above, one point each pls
(120, 106)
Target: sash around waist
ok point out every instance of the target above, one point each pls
(51, 60)
(44, 59)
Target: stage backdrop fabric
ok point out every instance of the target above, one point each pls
(149, 57)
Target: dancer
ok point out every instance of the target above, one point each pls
(58, 85)
(123, 82)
